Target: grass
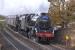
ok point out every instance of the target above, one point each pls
(2, 17)
(2, 22)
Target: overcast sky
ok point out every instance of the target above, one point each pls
(13, 7)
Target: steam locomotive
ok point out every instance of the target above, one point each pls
(34, 26)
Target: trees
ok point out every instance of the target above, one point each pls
(71, 10)
(62, 11)
(55, 11)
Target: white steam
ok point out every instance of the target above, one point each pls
(14, 7)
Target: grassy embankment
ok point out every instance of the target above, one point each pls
(2, 22)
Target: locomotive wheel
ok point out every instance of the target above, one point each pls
(32, 36)
(35, 39)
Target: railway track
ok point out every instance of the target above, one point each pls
(14, 43)
(5, 44)
(27, 43)
(24, 41)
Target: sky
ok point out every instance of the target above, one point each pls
(14, 7)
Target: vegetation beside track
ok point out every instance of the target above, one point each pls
(2, 23)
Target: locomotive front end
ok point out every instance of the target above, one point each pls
(45, 35)
(44, 30)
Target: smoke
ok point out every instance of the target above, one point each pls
(14, 7)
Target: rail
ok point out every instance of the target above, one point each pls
(25, 41)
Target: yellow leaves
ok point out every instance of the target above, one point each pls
(67, 37)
